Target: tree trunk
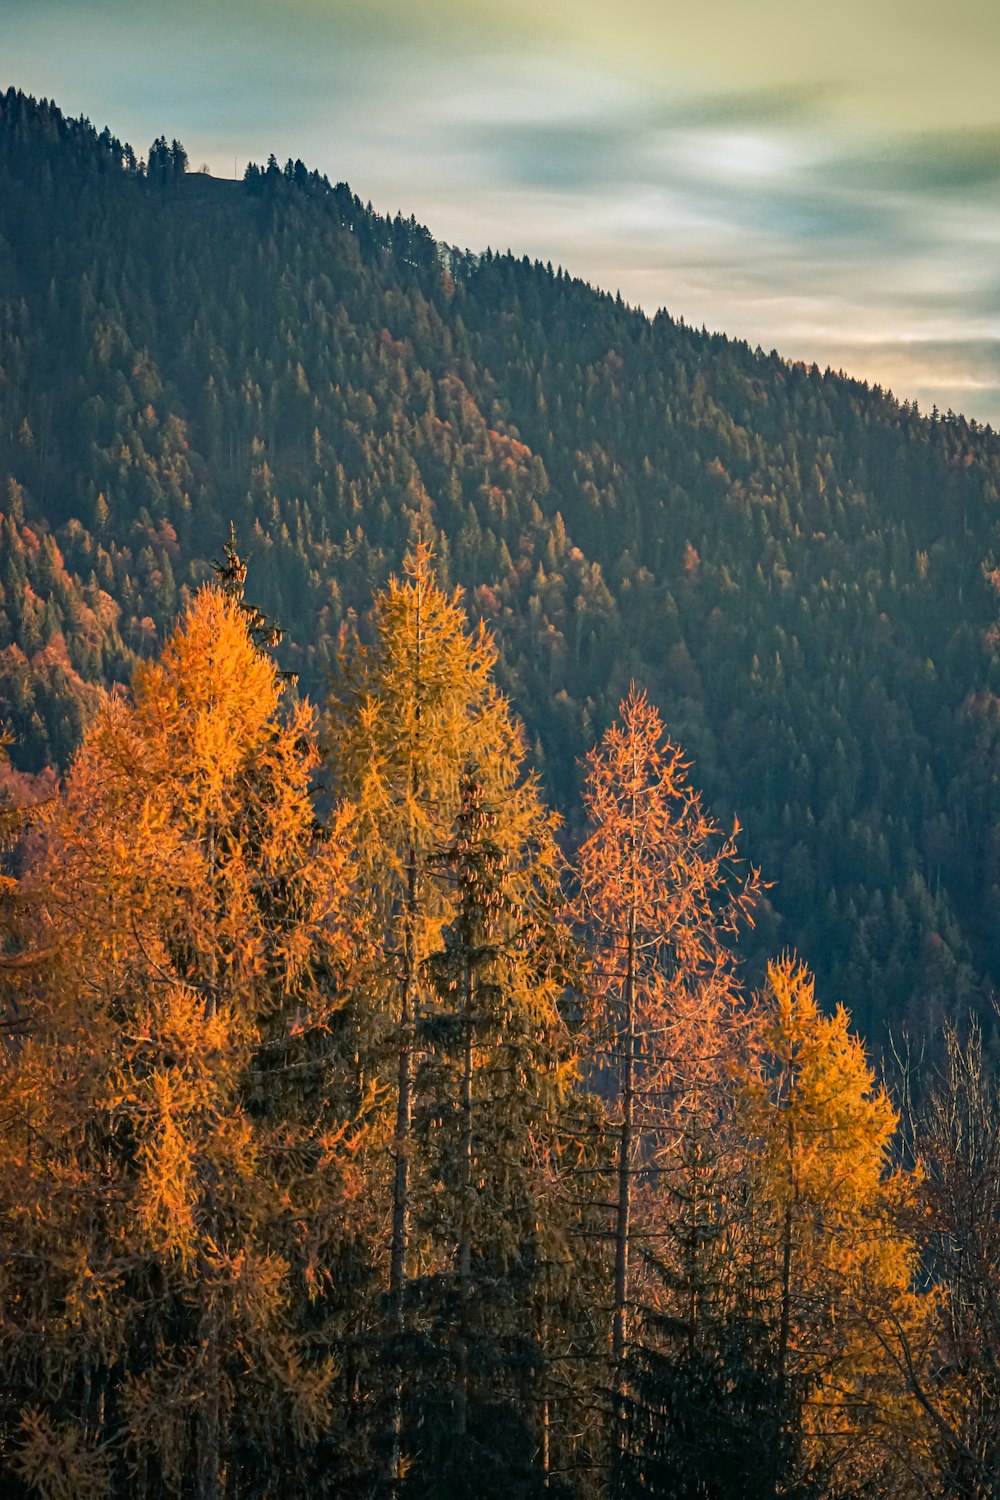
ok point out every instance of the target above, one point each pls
(465, 1236)
(625, 1146)
(208, 1421)
(401, 1137)
(401, 1176)
(404, 1096)
(208, 1427)
(545, 1423)
(784, 1326)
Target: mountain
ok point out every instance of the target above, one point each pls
(795, 565)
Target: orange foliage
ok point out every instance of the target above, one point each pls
(658, 898)
(661, 904)
(201, 934)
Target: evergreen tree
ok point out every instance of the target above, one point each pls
(496, 1099)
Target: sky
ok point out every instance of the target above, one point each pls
(820, 179)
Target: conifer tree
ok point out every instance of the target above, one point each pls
(659, 901)
(825, 1265)
(19, 957)
(495, 1095)
(425, 748)
(232, 576)
(176, 1197)
(954, 1217)
(407, 711)
(790, 1383)
(698, 1418)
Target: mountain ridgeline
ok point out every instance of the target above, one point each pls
(794, 565)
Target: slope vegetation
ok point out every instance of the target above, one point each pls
(795, 566)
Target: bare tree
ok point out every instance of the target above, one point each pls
(956, 1140)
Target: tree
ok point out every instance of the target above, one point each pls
(698, 1416)
(406, 713)
(826, 1270)
(174, 1171)
(232, 575)
(496, 1090)
(19, 959)
(789, 1382)
(457, 853)
(659, 901)
(955, 1219)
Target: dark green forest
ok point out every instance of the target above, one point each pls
(794, 565)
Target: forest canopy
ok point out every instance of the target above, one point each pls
(441, 1043)
(798, 568)
(355, 1142)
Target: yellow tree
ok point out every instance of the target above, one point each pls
(175, 1165)
(407, 713)
(660, 902)
(416, 711)
(826, 1270)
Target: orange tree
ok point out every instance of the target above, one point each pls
(659, 901)
(175, 1171)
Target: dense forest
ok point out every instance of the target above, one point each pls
(795, 566)
(434, 1033)
(354, 1144)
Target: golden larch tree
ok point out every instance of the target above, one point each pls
(175, 1163)
(406, 714)
(828, 1271)
(415, 722)
(659, 900)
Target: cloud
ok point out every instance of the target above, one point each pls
(947, 162)
(834, 197)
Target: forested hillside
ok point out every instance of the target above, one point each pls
(795, 566)
(358, 1146)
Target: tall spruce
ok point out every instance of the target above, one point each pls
(496, 1098)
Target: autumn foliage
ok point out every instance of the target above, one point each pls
(357, 1140)
(168, 1194)
(658, 900)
